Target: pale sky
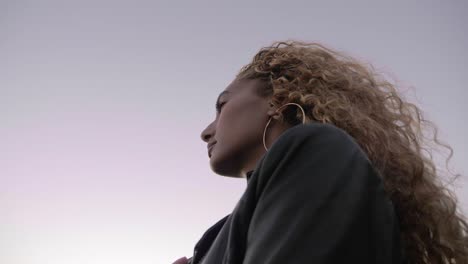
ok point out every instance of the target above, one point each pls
(102, 104)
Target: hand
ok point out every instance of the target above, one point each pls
(182, 260)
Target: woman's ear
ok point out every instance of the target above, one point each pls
(271, 109)
(272, 112)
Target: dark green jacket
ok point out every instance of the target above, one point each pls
(314, 197)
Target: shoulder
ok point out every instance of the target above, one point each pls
(316, 177)
(314, 147)
(315, 137)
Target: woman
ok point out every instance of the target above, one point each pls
(335, 167)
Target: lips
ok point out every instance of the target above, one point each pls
(210, 147)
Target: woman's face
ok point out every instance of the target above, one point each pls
(237, 129)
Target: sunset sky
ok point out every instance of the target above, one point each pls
(102, 104)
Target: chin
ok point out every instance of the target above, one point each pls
(223, 167)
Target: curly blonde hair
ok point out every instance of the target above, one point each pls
(335, 88)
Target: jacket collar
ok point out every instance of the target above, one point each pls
(249, 174)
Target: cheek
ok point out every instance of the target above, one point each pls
(228, 132)
(240, 124)
(241, 132)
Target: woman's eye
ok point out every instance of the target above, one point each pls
(219, 106)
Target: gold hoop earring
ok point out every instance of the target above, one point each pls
(303, 120)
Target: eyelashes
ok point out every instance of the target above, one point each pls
(219, 106)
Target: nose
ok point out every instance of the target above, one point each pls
(207, 133)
